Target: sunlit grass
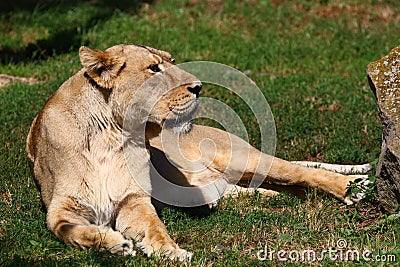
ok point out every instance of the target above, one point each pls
(307, 57)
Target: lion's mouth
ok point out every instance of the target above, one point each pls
(187, 108)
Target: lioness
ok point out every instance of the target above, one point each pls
(76, 154)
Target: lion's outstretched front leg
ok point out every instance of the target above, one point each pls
(137, 219)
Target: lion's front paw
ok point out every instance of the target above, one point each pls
(172, 252)
(356, 190)
(125, 248)
(117, 244)
(180, 255)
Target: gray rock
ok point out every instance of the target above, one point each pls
(384, 80)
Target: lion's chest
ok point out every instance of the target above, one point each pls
(109, 179)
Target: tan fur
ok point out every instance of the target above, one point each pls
(75, 153)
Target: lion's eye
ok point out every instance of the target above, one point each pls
(154, 68)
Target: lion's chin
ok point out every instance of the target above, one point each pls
(181, 121)
(179, 127)
(183, 128)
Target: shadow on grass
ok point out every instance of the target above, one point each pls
(60, 39)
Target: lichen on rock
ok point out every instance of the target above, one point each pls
(384, 80)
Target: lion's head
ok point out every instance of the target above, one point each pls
(143, 81)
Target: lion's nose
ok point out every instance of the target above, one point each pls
(195, 89)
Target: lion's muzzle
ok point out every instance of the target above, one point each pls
(195, 88)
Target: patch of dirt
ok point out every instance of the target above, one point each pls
(361, 15)
(366, 14)
(213, 6)
(7, 79)
(367, 214)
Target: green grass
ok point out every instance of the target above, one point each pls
(307, 57)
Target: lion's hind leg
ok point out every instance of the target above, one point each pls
(250, 167)
(76, 230)
(283, 172)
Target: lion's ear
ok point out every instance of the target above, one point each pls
(102, 66)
